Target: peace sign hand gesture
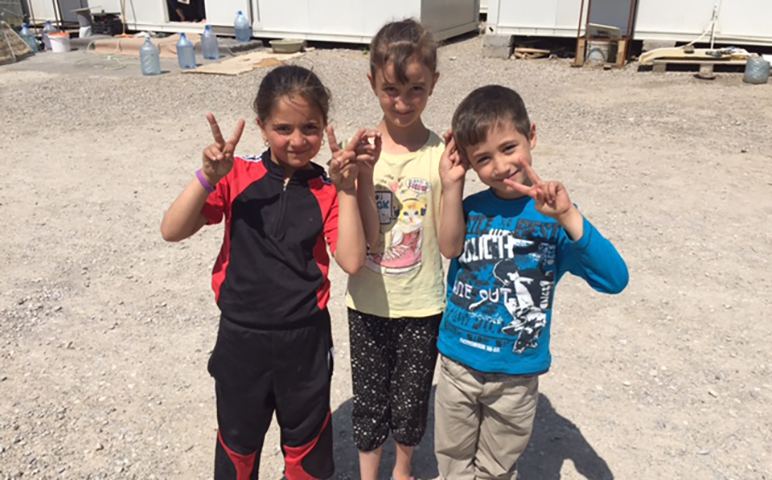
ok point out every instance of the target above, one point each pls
(343, 166)
(453, 167)
(551, 197)
(218, 157)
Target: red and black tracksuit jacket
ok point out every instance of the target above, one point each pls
(273, 265)
(273, 351)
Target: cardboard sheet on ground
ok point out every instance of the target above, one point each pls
(244, 63)
(131, 45)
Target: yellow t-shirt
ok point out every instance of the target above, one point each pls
(403, 274)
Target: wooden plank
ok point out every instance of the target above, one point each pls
(705, 66)
(698, 61)
(530, 53)
(580, 47)
(679, 53)
(621, 50)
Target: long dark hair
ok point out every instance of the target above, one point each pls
(288, 81)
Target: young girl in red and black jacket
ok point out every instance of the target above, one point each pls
(282, 212)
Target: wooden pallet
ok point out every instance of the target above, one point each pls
(661, 66)
(691, 53)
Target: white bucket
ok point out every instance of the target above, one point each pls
(60, 42)
(601, 52)
(597, 52)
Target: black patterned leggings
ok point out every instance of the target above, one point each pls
(392, 365)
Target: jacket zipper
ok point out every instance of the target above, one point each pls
(282, 208)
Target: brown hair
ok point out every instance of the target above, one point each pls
(485, 109)
(399, 43)
(288, 81)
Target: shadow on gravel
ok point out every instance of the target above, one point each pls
(555, 440)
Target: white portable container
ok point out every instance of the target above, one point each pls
(349, 21)
(740, 22)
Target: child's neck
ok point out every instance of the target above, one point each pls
(289, 170)
(398, 140)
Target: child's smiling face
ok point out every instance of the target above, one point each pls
(403, 103)
(294, 131)
(498, 157)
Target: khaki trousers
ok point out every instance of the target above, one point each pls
(483, 422)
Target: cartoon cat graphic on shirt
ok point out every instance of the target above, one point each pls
(405, 238)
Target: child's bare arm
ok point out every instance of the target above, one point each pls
(184, 217)
(369, 210)
(352, 248)
(367, 156)
(452, 228)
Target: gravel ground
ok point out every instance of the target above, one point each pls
(105, 330)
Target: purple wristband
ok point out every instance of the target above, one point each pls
(203, 181)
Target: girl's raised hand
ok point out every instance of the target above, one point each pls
(343, 166)
(452, 166)
(218, 157)
(551, 197)
(368, 151)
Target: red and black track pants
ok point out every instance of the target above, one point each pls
(261, 371)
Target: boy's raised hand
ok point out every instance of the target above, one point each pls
(551, 197)
(218, 157)
(344, 167)
(452, 166)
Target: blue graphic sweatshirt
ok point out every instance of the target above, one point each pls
(501, 288)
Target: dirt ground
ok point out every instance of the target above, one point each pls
(105, 330)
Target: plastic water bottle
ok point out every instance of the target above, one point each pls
(47, 29)
(209, 46)
(186, 56)
(242, 27)
(29, 38)
(150, 58)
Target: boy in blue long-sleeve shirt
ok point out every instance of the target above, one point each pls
(510, 245)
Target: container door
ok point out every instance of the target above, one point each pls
(746, 20)
(337, 17)
(150, 14)
(67, 7)
(222, 13)
(286, 16)
(666, 17)
(376, 13)
(440, 15)
(528, 14)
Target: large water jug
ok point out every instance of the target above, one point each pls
(150, 58)
(209, 46)
(186, 56)
(29, 37)
(47, 29)
(242, 27)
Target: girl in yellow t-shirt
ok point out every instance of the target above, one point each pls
(396, 302)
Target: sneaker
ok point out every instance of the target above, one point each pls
(401, 258)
